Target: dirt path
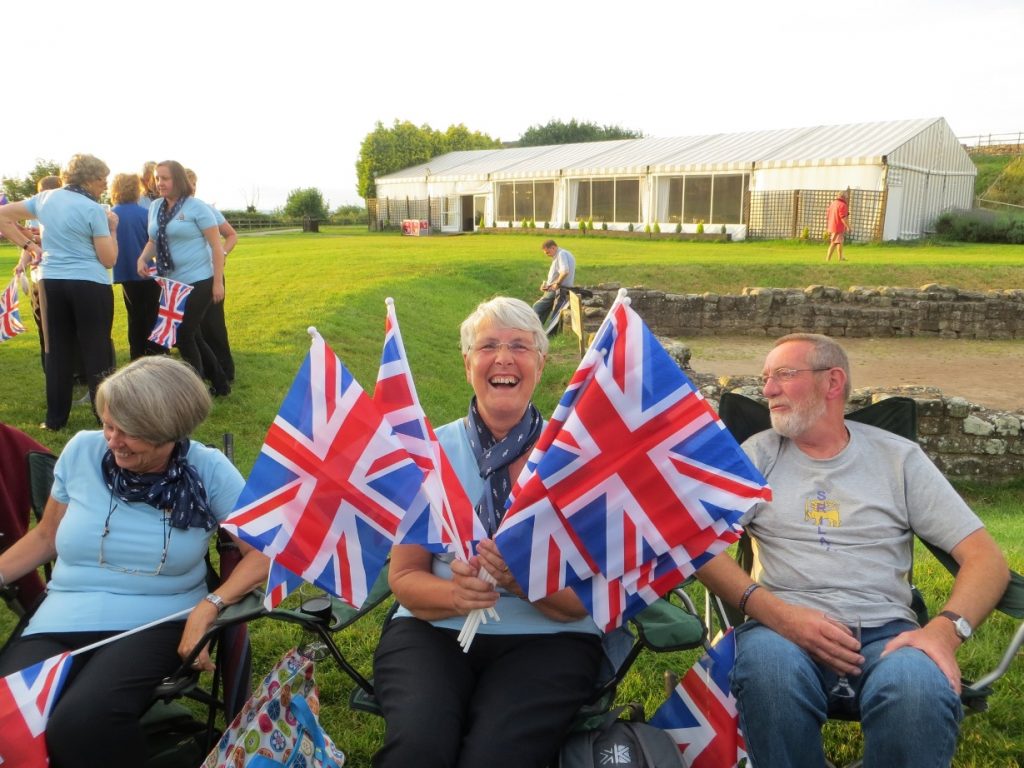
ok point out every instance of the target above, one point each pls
(989, 373)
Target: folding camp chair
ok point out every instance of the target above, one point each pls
(745, 417)
(181, 736)
(670, 624)
(16, 498)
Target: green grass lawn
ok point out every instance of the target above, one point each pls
(337, 280)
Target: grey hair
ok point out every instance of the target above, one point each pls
(157, 399)
(825, 353)
(81, 169)
(503, 312)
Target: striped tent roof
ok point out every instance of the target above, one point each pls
(849, 144)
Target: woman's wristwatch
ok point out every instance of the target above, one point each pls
(217, 601)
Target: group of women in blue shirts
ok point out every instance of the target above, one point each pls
(81, 241)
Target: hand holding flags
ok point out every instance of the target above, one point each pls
(173, 296)
(10, 318)
(701, 715)
(331, 485)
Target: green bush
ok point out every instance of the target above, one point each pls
(657, 228)
(604, 226)
(565, 225)
(630, 227)
(583, 226)
(980, 226)
(700, 227)
(547, 225)
(679, 227)
(647, 228)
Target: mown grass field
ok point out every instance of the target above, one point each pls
(279, 284)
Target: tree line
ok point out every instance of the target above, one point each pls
(386, 150)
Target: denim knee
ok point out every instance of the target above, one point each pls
(910, 714)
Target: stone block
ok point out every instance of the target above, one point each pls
(973, 425)
(958, 407)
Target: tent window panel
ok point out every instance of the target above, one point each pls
(544, 200)
(582, 200)
(675, 199)
(506, 202)
(728, 199)
(524, 201)
(627, 200)
(697, 199)
(603, 205)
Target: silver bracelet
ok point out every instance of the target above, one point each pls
(3, 580)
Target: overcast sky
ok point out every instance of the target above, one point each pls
(263, 97)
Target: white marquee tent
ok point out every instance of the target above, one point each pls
(901, 175)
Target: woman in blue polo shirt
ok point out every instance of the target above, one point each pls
(185, 243)
(77, 254)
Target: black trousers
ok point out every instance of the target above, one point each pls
(79, 317)
(95, 722)
(507, 703)
(190, 343)
(141, 301)
(215, 334)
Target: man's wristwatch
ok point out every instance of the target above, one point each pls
(217, 601)
(961, 625)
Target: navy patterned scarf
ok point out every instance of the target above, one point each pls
(177, 489)
(493, 457)
(164, 262)
(80, 190)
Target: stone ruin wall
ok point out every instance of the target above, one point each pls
(965, 440)
(932, 310)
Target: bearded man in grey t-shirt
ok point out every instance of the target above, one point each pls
(832, 552)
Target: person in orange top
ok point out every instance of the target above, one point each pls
(838, 225)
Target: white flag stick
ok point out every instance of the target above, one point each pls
(126, 633)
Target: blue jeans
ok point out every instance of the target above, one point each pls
(909, 713)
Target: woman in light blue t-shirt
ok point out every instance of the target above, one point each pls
(129, 521)
(77, 253)
(185, 244)
(509, 699)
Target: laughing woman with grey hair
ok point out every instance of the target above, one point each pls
(129, 522)
(78, 249)
(509, 700)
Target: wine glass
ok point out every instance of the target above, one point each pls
(842, 689)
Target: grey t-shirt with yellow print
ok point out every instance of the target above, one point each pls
(838, 533)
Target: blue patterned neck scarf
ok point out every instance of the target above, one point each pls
(178, 489)
(493, 457)
(80, 190)
(164, 262)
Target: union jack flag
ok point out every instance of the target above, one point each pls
(330, 486)
(280, 583)
(173, 296)
(26, 700)
(10, 318)
(635, 481)
(701, 715)
(445, 520)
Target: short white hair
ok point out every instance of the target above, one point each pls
(504, 312)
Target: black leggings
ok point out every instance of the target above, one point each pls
(95, 722)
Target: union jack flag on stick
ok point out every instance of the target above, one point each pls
(26, 699)
(173, 296)
(10, 318)
(444, 518)
(701, 715)
(635, 481)
(331, 485)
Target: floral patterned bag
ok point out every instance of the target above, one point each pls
(278, 725)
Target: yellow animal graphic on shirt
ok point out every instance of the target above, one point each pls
(822, 512)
